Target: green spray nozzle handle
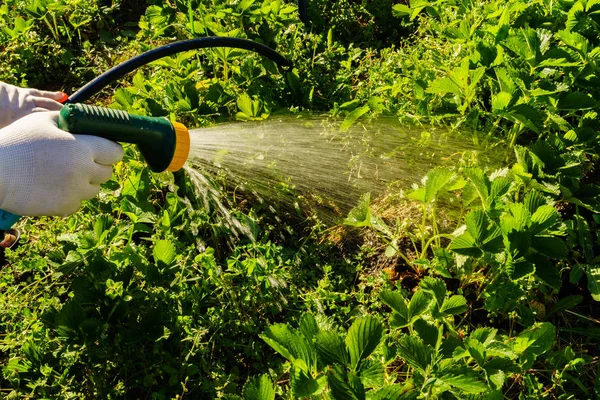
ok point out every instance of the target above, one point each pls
(156, 138)
(164, 144)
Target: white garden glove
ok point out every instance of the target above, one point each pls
(47, 171)
(16, 102)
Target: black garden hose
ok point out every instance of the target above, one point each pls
(94, 86)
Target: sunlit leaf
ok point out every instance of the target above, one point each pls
(456, 304)
(361, 214)
(352, 117)
(302, 383)
(436, 287)
(419, 303)
(363, 337)
(164, 252)
(534, 342)
(259, 388)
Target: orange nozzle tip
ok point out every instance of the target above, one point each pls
(182, 147)
(64, 98)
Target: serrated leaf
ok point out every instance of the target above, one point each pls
(259, 388)
(308, 326)
(550, 246)
(391, 392)
(436, 181)
(414, 352)
(500, 101)
(467, 383)
(443, 86)
(396, 301)
(465, 245)
(476, 222)
(372, 374)
(480, 182)
(533, 200)
(331, 348)
(484, 335)
(363, 337)
(361, 214)
(456, 304)
(302, 383)
(534, 342)
(593, 278)
(528, 116)
(344, 386)
(419, 303)
(292, 346)
(436, 287)
(576, 101)
(164, 252)
(401, 10)
(498, 188)
(476, 350)
(429, 333)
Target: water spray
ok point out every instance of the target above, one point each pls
(164, 144)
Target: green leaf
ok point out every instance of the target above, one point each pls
(480, 182)
(259, 388)
(429, 333)
(308, 326)
(164, 252)
(529, 116)
(437, 179)
(534, 342)
(344, 386)
(484, 335)
(352, 117)
(476, 350)
(576, 16)
(436, 287)
(550, 246)
(564, 304)
(401, 10)
(363, 337)
(391, 392)
(291, 345)
(419, 303)
(477, 222)
(372, 374)
(465, 245)
(467, 383)
(302, 384)
(500, 101)
(443, 86)
(593, 278)
(456, 304)
(414, 352)
(544, 218)
(331, 348)
(360, 215)
(576, 101)
(396, 301)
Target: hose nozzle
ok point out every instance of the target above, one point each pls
(165, 145)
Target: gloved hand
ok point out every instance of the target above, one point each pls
(16, 102)
(47, 171)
